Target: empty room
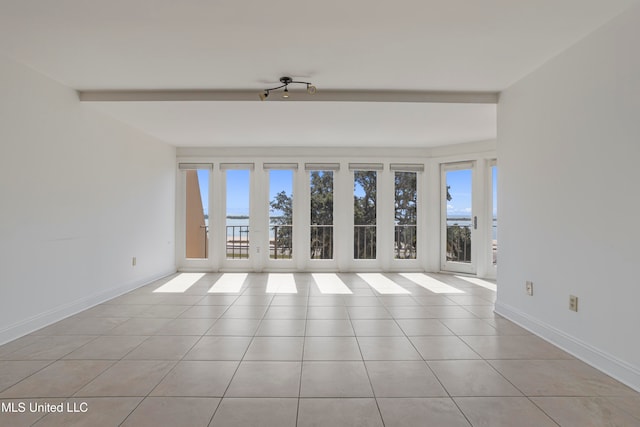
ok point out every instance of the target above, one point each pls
(411, 213)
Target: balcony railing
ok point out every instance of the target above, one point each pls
(280, 246)
(237, 241)
(364, 244)
(405, 241)
(322, 242)
(459, 243)
(494, 243)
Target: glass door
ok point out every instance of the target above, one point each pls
(193, 215)
(237, 226)
(405, 245)
(458, 222)
(494, 215)
(281, 214)
(365, 213)
(321, 195)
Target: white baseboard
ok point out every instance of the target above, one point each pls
(26, 326)
(607, 363)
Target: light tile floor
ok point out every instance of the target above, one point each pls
(200, 358)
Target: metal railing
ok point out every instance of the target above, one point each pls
(364, 242)
(405, 242)
(321, 241)
(281, 245)
(205, 229)
(459, 243)
(494, 244)
(237, 241)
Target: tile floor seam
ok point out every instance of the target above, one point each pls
(543, 411)
(163, 377)
(373, 391)
(241, 358)
(304, 340)
(461, 411)
(487, 361)
(214, 412)
(132, 411)
(239, 361)
(22, 379)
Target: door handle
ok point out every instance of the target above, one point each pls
(475, 222)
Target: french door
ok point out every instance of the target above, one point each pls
(237, 248)
(459, 223)
(192, 215)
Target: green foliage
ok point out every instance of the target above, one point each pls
(364, 214)
(281, 209)
(406, 197)
(406, 214)
(365, 204)
(281, 221)
(458, 243)
(321, 191)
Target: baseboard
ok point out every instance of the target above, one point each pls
(610, 365)
(56, 314)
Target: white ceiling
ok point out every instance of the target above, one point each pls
(427, 45)
(253, 124)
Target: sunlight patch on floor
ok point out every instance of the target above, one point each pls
(228, 283)
(485, 284)
(431, 284)
(330, 283)
(383, 284)
(180, 283)
(282, 283)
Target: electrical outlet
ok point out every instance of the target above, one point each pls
(573, 303)
(133, 261)
(529, 286)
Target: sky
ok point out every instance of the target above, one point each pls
(459, 182)
(238, 190)
(203, 179)
(238, 184)
(279, 180)
(238, 187)
(494, 185)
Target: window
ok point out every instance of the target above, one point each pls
(196, 211)
(321, 201)
(237, 224)
(494, 214)
(280, 214)
(406, 197)
(364, 214)
(459, 218)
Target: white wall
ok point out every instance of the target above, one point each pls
(569, 199)
(81, 194)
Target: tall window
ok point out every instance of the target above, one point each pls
(280, 214)
(494, 220)
(321, 195)
(364, 214)
(406, 197)
(238, 192)
(197, 213)
(459, 215)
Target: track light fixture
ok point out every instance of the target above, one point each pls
(286, 81)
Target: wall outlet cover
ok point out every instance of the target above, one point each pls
(573, 303)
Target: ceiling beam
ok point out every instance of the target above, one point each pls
(447, 97)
